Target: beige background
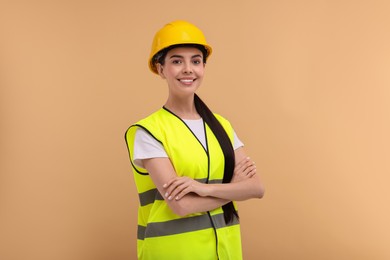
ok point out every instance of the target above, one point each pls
(306, 85)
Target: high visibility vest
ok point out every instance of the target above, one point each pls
(162, 234)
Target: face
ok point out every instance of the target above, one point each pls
(183, 70)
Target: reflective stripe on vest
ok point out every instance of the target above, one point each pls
(161, 233)
(182, 225)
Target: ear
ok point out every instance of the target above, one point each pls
(160, 70)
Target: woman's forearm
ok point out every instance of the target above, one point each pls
(193, 203)
(179, 188)
(243, 190)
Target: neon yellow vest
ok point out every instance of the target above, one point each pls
(163, 235)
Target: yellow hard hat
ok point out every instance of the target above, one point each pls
(176, 32)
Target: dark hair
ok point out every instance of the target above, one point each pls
(226, 145)
(159, 57)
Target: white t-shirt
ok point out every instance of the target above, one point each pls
(146, 147)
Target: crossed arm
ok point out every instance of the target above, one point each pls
(185, 195)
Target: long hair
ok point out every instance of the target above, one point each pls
(226, 145)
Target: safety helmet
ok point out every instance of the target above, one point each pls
(176, 32)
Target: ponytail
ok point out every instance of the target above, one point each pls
(226, 145)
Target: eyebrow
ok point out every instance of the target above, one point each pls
(179, 56)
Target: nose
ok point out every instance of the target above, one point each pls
(187, 69)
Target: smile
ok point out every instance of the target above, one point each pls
(187, 80)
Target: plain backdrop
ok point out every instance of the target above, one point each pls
(306, 85)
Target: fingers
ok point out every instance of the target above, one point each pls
(177, 188)
(250, 170)
(242, 164)
(183, 193)
(244, 169)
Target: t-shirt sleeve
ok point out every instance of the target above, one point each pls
(146, 147)
(236, 142)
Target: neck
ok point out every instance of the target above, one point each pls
(185, 109)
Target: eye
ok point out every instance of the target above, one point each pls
(197, 61)
(176, 61)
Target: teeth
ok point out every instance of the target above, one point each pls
(186, 80)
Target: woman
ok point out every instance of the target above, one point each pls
(188, 163)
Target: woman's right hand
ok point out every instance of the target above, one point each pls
(245, 169)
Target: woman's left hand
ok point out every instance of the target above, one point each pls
(178, 187)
